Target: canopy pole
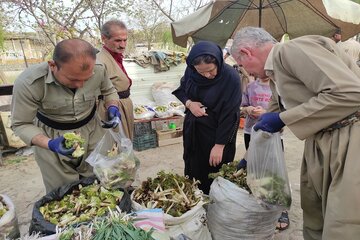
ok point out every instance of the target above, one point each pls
(260, 11)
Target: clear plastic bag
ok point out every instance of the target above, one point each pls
(162, 93)
(267, 175)
(113, 160)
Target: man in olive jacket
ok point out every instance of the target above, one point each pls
(316, 94)
(114, 36)
(53, 98)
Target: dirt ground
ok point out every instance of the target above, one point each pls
(20, 178)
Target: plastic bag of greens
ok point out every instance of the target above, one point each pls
(267, 175)
(113, 160)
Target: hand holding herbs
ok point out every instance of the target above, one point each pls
(74, 140)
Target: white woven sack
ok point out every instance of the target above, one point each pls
(9, 228)
(235, 214)
(193, 223)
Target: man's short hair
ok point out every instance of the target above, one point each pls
(106, 28)
(70, 48)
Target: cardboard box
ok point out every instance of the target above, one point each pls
(168, 137)
(163, 124)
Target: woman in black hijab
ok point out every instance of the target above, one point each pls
(211, 92)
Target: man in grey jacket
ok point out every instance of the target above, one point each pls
(316, 94)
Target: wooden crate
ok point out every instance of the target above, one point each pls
(145, 141)
(10, 139)
(143, 127)
(169, 137)
(163, 123)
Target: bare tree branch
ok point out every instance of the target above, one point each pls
(168, 15)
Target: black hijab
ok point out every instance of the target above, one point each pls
(221, 95)
(204, 48)
(221, 87)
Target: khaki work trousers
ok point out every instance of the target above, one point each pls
(58, 170)
(330, 185)
(127, 115)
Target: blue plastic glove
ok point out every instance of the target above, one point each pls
(57, 145)
(269, 122)
(113, 117)
(242, 164)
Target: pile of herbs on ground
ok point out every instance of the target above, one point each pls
(173, 193)
(83, 204)
(229, 172)
(116, 226)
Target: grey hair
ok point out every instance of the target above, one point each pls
(106, 28)
(251, 37)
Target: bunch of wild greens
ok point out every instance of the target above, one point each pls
(82, 205)
(229, 172)
(74, 140)
(271, 190)
(116, 226)
(173, 193)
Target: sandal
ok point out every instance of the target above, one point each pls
(283, 222)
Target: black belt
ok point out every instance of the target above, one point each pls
(122, 94)
(65, 126)
(352, 118)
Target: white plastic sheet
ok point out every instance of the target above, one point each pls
(345, 10)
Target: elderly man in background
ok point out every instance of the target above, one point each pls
(114, 35)
(316, 93)
(57, 97)
(350, 46)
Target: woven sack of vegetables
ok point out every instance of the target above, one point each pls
(9, 228)
(180, 199)
(234, 214)
(74, 204)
